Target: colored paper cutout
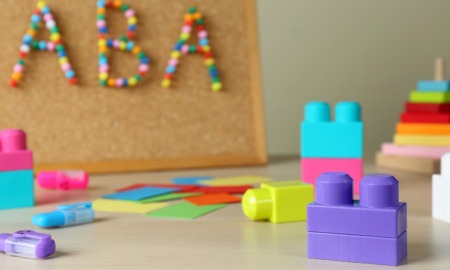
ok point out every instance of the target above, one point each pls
(105, 205)
(124, 44)
(180, 188)
(223, 189)
(29, 43)
(169, 197)
(211, 199)
(184, 210)
(193, 19)
(235, 181)
(190, 180)
(139, 194)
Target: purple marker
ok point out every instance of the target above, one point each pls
(27, 244)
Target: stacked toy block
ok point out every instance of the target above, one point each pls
(16, 170)
(331, 145)
(423, 134)
(441, 191)
(372, 230)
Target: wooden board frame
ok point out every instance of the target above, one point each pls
(257, 156)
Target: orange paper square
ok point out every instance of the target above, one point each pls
(218, 198)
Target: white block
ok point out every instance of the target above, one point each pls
(441, 197)
(445, 165)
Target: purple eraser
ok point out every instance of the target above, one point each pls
(28, 244)
(3, 237)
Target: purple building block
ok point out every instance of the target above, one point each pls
(378, 213)
(355, 248)
(372, 230)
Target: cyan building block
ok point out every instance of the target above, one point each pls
(434, 86)
(16, 189)
(323, 138)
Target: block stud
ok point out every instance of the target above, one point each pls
(348, 111)
(334, 188)
(317, 111)
(257, 204)
(379, 191)
(13, 140)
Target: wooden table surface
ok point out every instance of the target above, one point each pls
(224, 239)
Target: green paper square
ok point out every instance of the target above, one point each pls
(184, 210)
(169, 197)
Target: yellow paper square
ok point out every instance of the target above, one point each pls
(125, 206)
(236, 181)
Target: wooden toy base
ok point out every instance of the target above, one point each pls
(411, 164)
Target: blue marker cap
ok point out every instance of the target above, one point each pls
(50, 219)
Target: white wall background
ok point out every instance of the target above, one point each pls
(369, 51)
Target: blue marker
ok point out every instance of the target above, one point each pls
(66, 215)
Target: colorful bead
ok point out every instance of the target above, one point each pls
(132, 81)
(66, 67)
(216, 86)
(166, 83)
(43, 15)
(203, 48)
(123, 44)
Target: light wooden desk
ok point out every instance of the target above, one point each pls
(224, 239)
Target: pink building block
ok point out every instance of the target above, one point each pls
(313, 167)
(13, 151)
(414, 151)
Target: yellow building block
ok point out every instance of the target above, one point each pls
(422, 140)
(278, 202)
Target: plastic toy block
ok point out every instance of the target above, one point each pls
(424, 129)
(278, 202)
(441, 191)
(412, 164)
(13, 151)
(377, 214)
(414, 151)
(422, 140)
(434, 86)
(429, 97)
(312, 168)
(341, 138)
(425, 117)
(358, 249)
(16, 189)
(427, 107)
(371, 230)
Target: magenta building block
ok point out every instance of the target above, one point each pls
(356, 248)
(312, 168)
(13, 151)
(378, 213)
(14, 161)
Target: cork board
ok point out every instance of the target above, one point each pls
(144, 128)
